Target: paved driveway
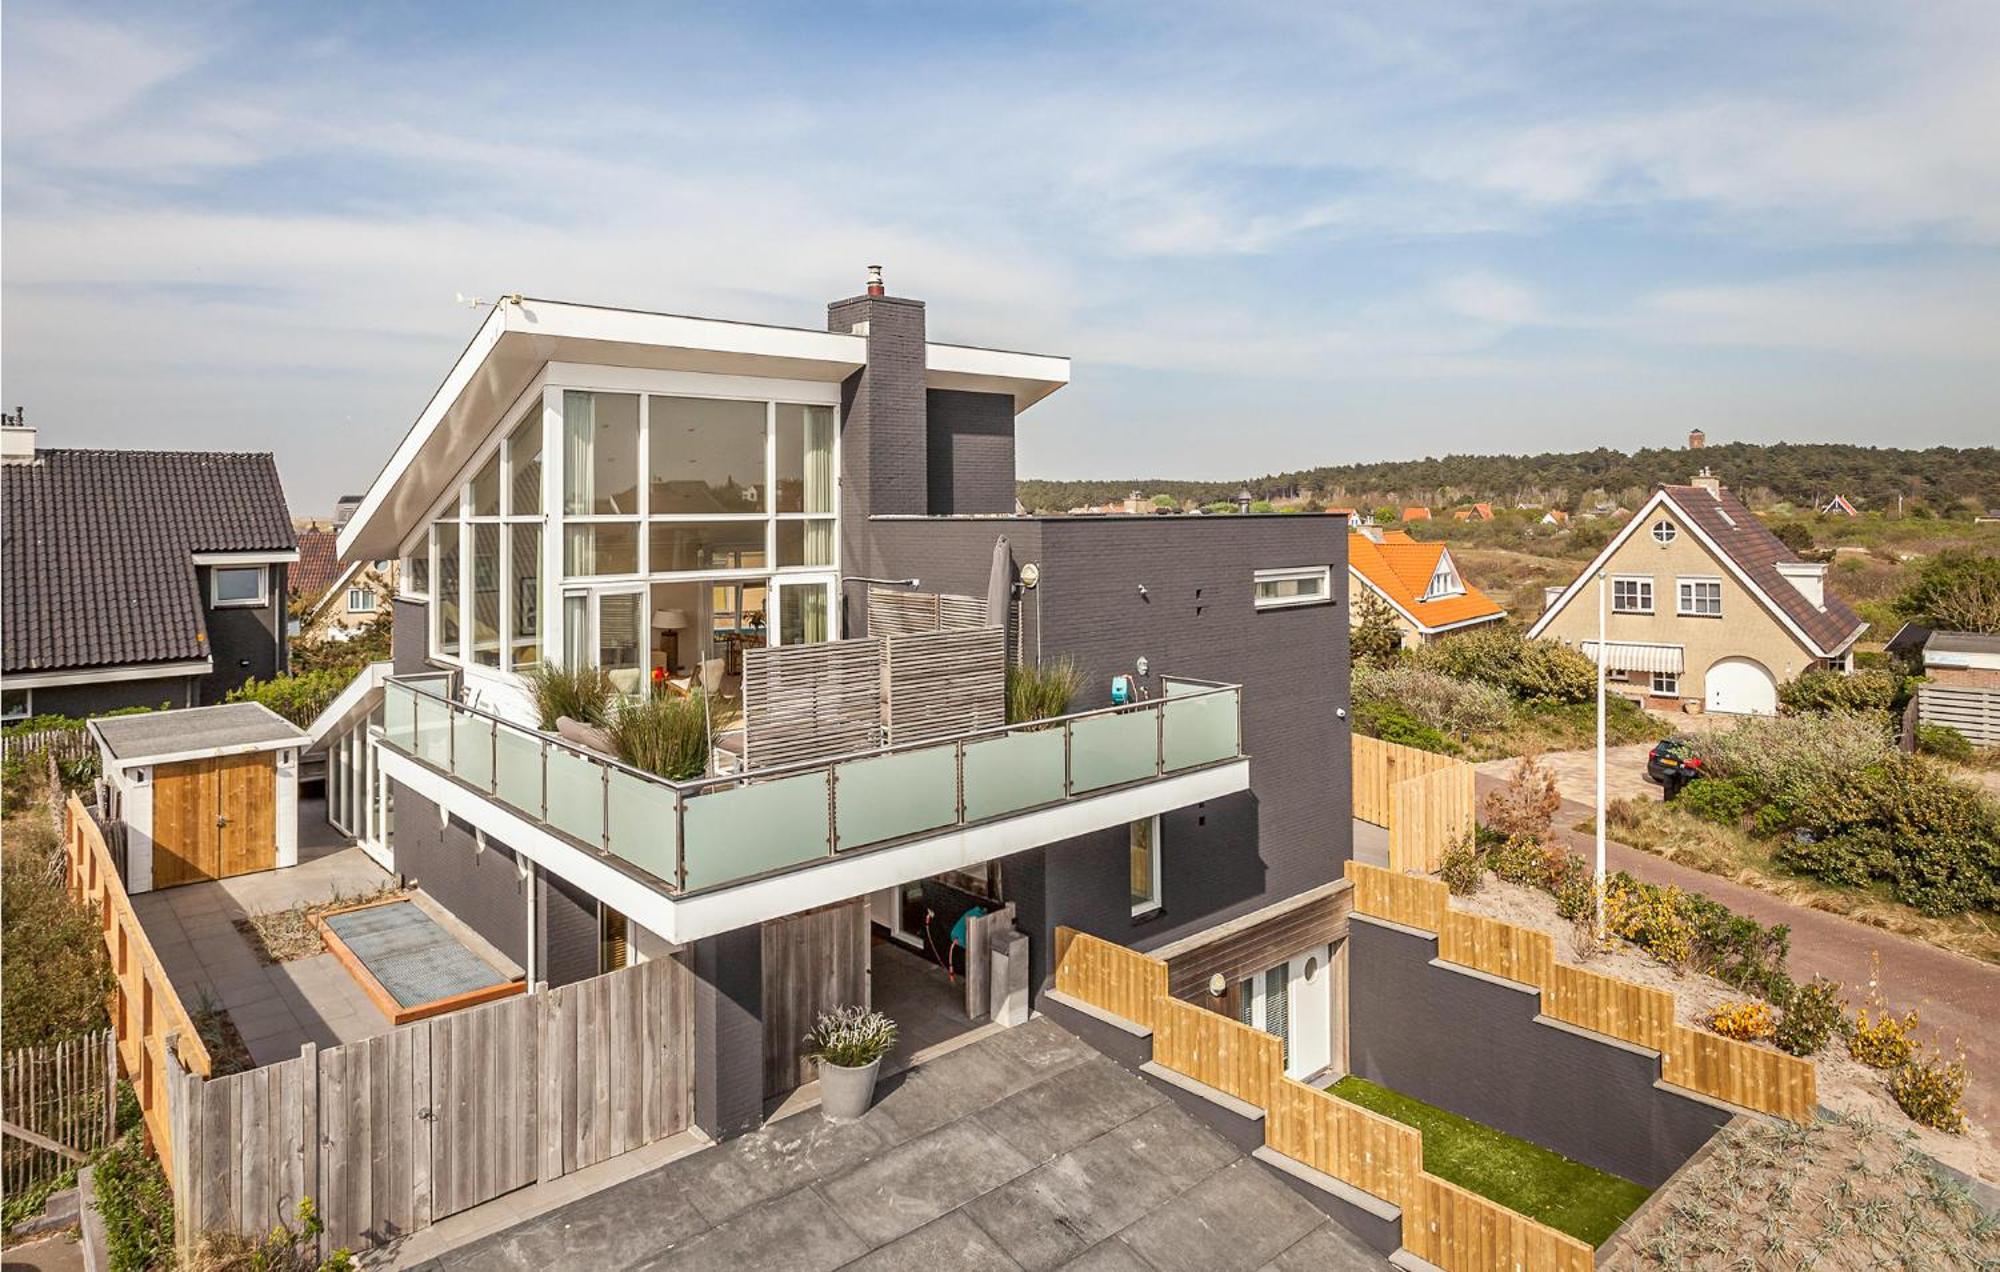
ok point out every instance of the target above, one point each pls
(1576, 772)
(1025, 1150)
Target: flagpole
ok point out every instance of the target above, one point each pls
(1601, 653)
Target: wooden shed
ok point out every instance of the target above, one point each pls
(204, 793)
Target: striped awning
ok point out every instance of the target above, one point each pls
(1625, 655)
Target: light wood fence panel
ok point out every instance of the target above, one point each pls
(1213, 1049)
(1410, 900)
(1755, 1077)
(1610, 1006)
(63, 1093)
(1428, 814)
(145, 1009)
(1109, 977)
(1456, 1229)
(1376, 1154)
(1493, 946)
(1379, 765)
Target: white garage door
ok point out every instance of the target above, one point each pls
(1738, 686)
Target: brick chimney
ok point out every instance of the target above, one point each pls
(884, 454)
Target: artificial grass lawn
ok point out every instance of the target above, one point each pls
(1566, 1195)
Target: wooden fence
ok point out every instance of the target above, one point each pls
(1739, 1072)
(390, 1134)
(1444, 1224)
(1425, 800)
(67, 745)
(1973, 710)
(147, 1016)
(58, 1105)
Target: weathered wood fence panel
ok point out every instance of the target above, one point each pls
(1740, 1072)
(812, 702)
(389, 1134)
(896, 611)
(1971, 709)
(65, 745)
(63, 1093)
(146, 1012)
(813, 962)
(941, 684)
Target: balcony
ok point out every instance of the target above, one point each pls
(973, 797)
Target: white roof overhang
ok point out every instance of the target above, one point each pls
(1029, 377)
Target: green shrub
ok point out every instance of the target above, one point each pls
(1944, 742)
(667, 736)
(1812, 1013)
(283, 1249)
(1934, 837)
(1819, 691)
(1432, 698)
(1391, 723)
(1574, 884)
(1722, 800)
(1738, 950)
(1851, 860)
(1531, 670)
(1521, 860)
(136, 1205)
(1042, 691)
(584, 694)
(1929, 1090)
(298, 698)
(1788, 760)
(55, 976)
(1461, 869)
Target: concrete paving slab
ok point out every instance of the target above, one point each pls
(777, 1158)
(1068, 1108)
(1108, 1255)
(602, 1223)
(914, 1183)
(798, 1232)
(951, 1242)
(1327, 1248)
(1241, 1216)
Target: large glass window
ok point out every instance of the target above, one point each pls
(486, 595)
(706, 545)
(621, 639)
(707, 456)
(524, 579)
(802, 613)
(806, 542)
(600, 453)
(805, 458)
(738, 608)
(486, 489)
(444, 602)
(1145, 862)
(524, 465)
(601, 547)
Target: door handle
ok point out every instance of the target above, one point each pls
(220, 821)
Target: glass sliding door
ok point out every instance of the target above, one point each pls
(621, 639)
(805, 611)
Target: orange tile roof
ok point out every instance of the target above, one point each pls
(1416, 514)
(1401, 568)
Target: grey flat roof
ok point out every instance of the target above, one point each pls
(1962, 643)
(234, 726)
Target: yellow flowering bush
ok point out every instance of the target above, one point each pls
(1879, 1038)
(1747, 1022)
(1929, 1090)
(1657, 920)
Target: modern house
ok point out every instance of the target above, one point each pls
(1704, 606)
(819, 528)
(1421, 585)
(138, 578)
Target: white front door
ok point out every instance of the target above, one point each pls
(1294, 1000)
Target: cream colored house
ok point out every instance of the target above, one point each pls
(1704, 605)
(358, 594)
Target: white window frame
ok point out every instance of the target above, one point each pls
(27, 711)
(1323, 574)
(1664, 532)
(360, 599)
(1153, 903)
(1666, 684)
(1641, 580)
(263, 597)
(1683, 589)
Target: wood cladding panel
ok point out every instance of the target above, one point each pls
(1246, 952)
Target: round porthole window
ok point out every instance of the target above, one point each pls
(1664, 531)
(1312, 970)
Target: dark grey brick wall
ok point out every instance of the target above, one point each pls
(244, 642)
(409, 639)
(1471, 1045)
(1292, 831)
(729, 1031)
(568, 931)
(81, 701)
(482, 888)
(971, 452)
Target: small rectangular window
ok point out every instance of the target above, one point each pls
(1311, 585)
(15, 704)
(1631, 595)
(1667, 684)
(238, 585)
(1701, 597)
(416, 572)
(361, 600)
(1145, 853)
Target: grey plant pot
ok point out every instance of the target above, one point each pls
(845, 1093)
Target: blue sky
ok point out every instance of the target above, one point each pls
(1270, 236)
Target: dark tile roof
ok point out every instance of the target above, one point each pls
(1746, 540)
(97, 550)
(318, 564)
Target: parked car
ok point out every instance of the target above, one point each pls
(1673, 763)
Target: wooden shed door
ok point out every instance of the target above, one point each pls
(214, 818)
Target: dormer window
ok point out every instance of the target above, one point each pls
(1663, 531)
(1444, 580)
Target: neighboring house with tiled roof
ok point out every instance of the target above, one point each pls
(358, 595)
(1419, 582)
(1477, 512)
(1704, 605)
(318, 565)
(1416, 513)
(139, 578)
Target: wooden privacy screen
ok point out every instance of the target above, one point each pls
(895, 611)
(1425, 800)
(1442, 1223)
(813, 962)
(1739, 1072)
(390, 1134)
(937, 685)
(811, 702)
(146, 1013)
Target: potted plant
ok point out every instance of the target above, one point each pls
(849, 1043)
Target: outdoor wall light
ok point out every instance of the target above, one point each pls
(1217, 985)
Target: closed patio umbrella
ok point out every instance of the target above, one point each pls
(1000, 586)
